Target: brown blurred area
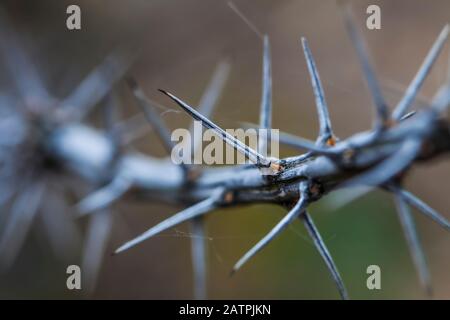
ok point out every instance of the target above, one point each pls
(181, 42)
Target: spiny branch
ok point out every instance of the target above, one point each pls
(199, 259)
(248, 152)
(421, 75)
(382, 111)
(422, 207)
(381, 173)
(409, 229)
(305, 144)
(377, 157)
(326, 135)
(196, 210)
(297, 142)
(389, 168)
(265, 118)
(198, 243)
(326, 256)
(212, 94)
(151, 116)
(299, 207)
(99, 231)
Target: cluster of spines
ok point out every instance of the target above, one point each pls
(94, 88)
(382, 175)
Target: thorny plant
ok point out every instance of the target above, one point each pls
(50, 140)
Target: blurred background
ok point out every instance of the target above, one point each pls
(181, 43)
